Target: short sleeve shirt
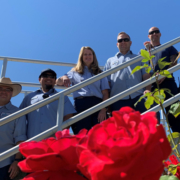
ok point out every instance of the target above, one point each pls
(45, 117)
(94, 89)
(168, 52)
(11, 132)
(122, 79)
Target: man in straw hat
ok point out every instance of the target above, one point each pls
(45, 117)
(11, 133)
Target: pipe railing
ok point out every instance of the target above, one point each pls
(76, 87)
(84, 83)
(54, 63)
(52, 130)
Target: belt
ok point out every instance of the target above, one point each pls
(82, 97)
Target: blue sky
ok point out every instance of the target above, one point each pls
(56, 30)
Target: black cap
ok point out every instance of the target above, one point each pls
(47, 71)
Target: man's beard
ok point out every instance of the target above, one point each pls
(48, 87)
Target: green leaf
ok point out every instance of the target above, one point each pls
(175, 109)
(168, 91)
(152, 56)
(160, 60)
(173, 178)
(166, 177)
(145, 54)
(140, 99)
(173, 169)
(166, 73)
(174, 135)
(149, 102)
(163, 64)
(175, 147)
(145, 60)
(137, 68)
(148, 69)
(160, 97)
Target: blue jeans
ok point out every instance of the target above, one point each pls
(4, 175)
(81, 105)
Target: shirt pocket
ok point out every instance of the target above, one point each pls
(8, 127)
(34, 99)
(114, 64)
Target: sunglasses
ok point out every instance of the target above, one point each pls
(6, 90)
(121, 40)
(155, 31)
(48, 76)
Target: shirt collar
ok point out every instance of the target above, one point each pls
(8, 105)
(119, 53)
(49, 92)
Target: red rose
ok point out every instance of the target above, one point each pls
(174, 161)
(126, 146)
(52, 159)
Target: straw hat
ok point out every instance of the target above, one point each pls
(7, 82)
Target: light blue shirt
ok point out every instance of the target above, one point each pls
(11, 132)
(45, 117)
(122, 80)
(94, 89)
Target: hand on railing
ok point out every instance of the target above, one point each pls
(63, 81)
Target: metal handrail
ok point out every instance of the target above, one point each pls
(6, 59)
(74, 88)
(52, 130)
(83, 84)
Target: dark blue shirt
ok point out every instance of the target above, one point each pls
(168, 52)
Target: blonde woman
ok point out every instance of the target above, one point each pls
(91, 95)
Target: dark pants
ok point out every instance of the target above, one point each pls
(81, 105)
(129, 102)
(4, 175)
(171, 84)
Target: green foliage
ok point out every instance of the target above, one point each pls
(137, 68)
(159, 96)
(174, 135)
(145, 60)
(148, 69)
(168, 91)
(141, 98)
(149, 102)
(166, 73)
(163, 64)
(166, 177)
(175, 109)
(145, 54)
(173, 169)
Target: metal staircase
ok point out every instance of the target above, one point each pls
(60, 96)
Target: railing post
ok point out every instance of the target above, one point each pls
(4, 66)
(25, 94)
(163, 118)
(60, 112)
